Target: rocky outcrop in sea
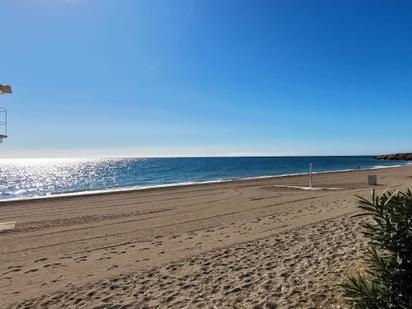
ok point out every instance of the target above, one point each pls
(396, 156)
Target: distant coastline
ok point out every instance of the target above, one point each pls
(395, 157)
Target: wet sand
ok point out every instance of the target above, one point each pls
(239, 244)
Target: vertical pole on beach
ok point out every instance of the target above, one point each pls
(310, 175)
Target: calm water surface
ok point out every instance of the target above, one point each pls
(45, 177)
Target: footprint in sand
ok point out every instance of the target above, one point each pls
(13, 269)
(113, 267)
(81, 259)
(65, 257)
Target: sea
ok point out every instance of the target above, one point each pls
(37, 178)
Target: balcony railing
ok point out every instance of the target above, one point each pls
(3, 123)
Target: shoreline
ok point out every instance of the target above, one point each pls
(185, 184)
(189, 246)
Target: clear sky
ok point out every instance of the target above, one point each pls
(213, 77)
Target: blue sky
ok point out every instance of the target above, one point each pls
(218, 77)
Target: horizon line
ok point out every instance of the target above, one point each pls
(192, 156)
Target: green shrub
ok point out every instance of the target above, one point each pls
(387, 282)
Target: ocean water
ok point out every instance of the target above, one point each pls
(21, 178)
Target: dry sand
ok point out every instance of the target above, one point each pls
(241, 244)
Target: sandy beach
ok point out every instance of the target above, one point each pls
(240, 244)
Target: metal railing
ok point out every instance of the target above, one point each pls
(3, 122)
